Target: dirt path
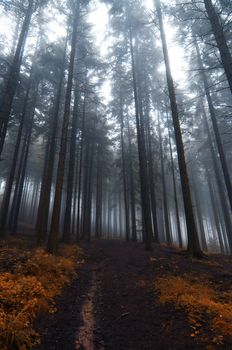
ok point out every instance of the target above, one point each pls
(113, 305)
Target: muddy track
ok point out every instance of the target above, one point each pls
(89, 335)
(113, 305)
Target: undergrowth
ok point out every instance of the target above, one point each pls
(202, 302)
(29, 282)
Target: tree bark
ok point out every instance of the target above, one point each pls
(146, 210)
(98, 195)
(44, 200)
(199, 213)
(52, 245)
(151, 171)
(220, 185)
(175, 191)
(72, 153)
(222, 45)
(12, 81)
(81, 170)
(132, 187)
(165, 201)
(193, 240)
(216, 214)
(27, 142)
(215, 128)
(10, 179)
(124, 174)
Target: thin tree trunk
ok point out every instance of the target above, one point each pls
(220, 184)
(81, 170)
(222, 45)
(12, 81)
(90, 196)
(87, 191)
(54, 230)
(45, 193)
(22, 178)
(72, 152)
(199, 212)
(175, 192)
(193, 240)
(73, 229)
(215, 128)
(124, 174)
(165, 202)
(151, 172)
(98, 195)
(215, 213)
(132, 187)
(10, 178)
(147, 223)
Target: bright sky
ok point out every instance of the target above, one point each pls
(176, 52)
(98, 17)
(99, 20)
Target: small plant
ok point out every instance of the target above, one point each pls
(35, 278)
(198, 300)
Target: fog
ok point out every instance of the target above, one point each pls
(116, 122)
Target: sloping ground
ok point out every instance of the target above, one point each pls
(115, 304)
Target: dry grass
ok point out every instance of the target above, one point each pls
(201, 301)
(28, 284)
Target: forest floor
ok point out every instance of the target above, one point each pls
(128, 299)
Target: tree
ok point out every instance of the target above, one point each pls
(193, 241)
(54, 230)
(45, 192)
(144, 182)
(13, 75)
(10, 180)
(219, 35)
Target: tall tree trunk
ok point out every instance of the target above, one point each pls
(54, 230)
(45, 193)
(33, 207)
(124, 174)
(215, 128)
(98, 195)
(17, 183)
(151, 170)
(132, 186)
(165, 201)
(12, 81)
(87, 191)
(199, 212)
(86, 164)
(175, 190)
(193, 240)
(74, 210)
(216, 214)
(146, 210)
(81, 170)
(223, 199)
(18, 191)
(220, 38)
(90, 195)
(72, 153)
(109, 212)
(10, 179)
(24, 165)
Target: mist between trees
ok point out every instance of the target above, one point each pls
(109, 145)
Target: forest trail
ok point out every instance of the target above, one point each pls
(113, 305)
